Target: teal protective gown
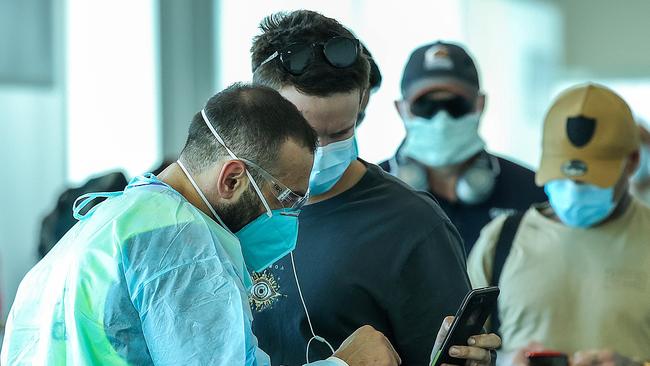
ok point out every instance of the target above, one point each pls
(144, 278)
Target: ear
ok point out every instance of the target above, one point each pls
(632, 163)
(479, 106)
(645, 135)
(232, 179)
(400, 107)
(363, 94)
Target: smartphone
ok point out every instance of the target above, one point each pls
(547, 358)
(469, 320)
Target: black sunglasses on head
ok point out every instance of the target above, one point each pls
(339, 52)
(426, 107)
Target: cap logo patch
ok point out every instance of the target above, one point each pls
(580, 130)
(437, 57)
(574, 168)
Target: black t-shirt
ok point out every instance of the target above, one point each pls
(514, 190)
(379, 253)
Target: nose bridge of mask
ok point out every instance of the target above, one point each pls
(566, 190)
(584, 189)
(334, 152)
(336, 146)
(269, 213)
(573, 188)
(442, 120)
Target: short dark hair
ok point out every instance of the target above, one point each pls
(375, 74)
(253, 121)
(320, 78)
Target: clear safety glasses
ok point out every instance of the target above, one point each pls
(289, 200)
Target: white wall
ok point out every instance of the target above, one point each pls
(604, 41)
(32, 144)
(187, 67)
(518, 48)
(111, 87)
(606, 38)
(33, 148)
(100, 112)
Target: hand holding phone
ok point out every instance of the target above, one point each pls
(468, 322)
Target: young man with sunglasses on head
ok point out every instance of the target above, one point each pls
(443, 152)
(370, 249)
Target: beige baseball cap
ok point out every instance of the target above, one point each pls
(589, 131)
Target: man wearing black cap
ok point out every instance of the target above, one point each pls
(443, 152)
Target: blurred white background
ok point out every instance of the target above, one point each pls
(88, 86)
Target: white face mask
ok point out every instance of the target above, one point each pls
(442, 140)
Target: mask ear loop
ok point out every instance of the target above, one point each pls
(250, 177)
(304, 305)
(205, 200)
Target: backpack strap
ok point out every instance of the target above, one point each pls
(504, 243)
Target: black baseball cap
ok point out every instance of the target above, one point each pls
(439, 64)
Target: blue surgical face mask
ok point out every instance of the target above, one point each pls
(580, 205)
(442, 140)
(268, 238)
(330, 162)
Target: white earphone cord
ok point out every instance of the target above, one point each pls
(304, 305)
